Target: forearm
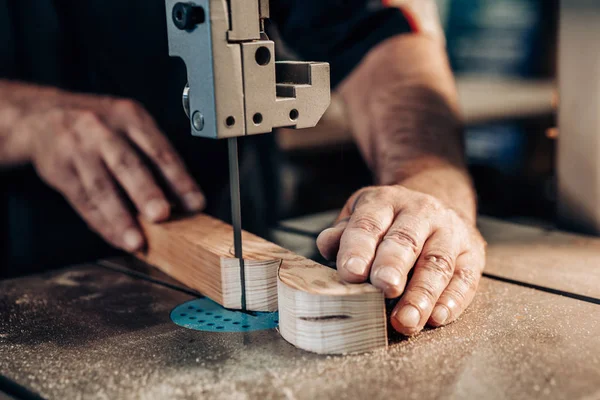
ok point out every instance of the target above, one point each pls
(402, 103)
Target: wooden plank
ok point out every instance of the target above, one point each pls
(198, 251)
(552, 259)
(317, 311)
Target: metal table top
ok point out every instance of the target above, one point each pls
(91, 332)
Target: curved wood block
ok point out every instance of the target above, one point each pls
(317, 311)
(320, 313)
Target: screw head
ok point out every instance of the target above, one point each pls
(198, 120)
(186, 16)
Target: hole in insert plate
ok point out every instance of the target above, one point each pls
(230, 121)
(216, 318)
(257, 119)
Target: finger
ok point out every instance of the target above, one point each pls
(77, 196)
(328, 241)
(102, 192)
(398, 251)
(367, 225)
(143, 131)
(137, 180)
(433, 271)
(461, 289)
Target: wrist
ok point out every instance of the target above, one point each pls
(451, 184)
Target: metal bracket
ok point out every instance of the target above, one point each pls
(235, 87)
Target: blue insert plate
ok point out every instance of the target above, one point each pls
(204, 314)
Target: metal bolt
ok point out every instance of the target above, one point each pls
(198, 121)
(186, 16)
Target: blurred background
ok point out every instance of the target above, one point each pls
(504, 55)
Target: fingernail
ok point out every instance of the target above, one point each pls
(157, 210)
(409, 316)
(440, 314)
(133, 240)
(194, 201)
(389, 276)
(356, 266)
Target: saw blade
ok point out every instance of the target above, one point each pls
(236, 211)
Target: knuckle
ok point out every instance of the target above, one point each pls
(453, 296)
(67, 141)
(101, 188)
(129, 109)
(367, 224)
(120, 220)
(440, 263)
(145, 189)
(430, 203)
(386, 192)
(404, 237)
(468, 278)
(87, 118)
(80, 197)
(126, 105)
(162, 155)
(425, 291)
(400, 192)
(365, 190)
(456, 221)
(146, 193)
(55, 115)
(126, 160)
(359, 198)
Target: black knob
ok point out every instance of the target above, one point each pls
(186, 16)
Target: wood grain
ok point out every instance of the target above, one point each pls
(198, 251)
(317, 310)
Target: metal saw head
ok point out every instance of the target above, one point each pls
(235, 87)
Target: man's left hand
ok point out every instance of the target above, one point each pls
(384, 233)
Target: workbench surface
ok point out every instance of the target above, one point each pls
(93, 332)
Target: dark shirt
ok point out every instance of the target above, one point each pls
(119, 47)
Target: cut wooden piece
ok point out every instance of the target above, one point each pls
(320, 313)
(198, 251)
(317, 311)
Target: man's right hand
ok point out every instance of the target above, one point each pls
(92, 150)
